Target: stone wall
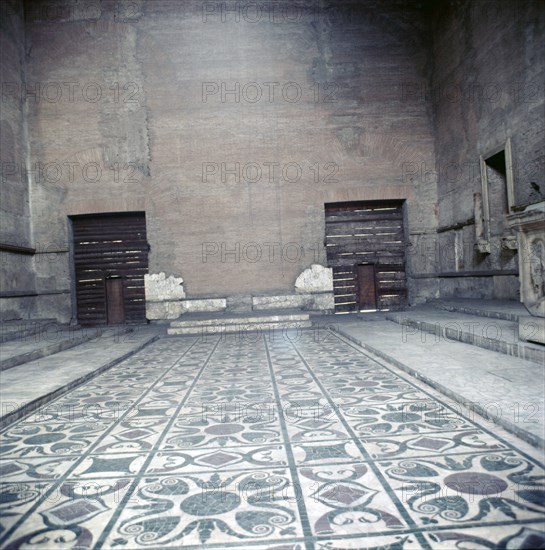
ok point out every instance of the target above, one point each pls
(17, 283)
(231, 129)
(166, 299)
(487, 86)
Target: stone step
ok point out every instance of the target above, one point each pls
(42, 344)
(16, 330)
(494, 334)
(233, 328)
(231, 323)
(508, 310)
(237, 319)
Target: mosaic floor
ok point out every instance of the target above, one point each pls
(295, 442)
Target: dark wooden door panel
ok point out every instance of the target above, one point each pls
(367, 291)
(114, 301)
(110, 248)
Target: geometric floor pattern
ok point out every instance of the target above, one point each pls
(284, 442)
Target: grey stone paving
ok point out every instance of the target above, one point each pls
(300, 441)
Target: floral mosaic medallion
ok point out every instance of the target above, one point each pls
(296, 443)
(211, 508)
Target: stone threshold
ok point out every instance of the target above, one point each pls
(238, 318)
(230, 323)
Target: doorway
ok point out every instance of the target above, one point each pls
(110, 261)
(367, 287)
(115, 305)
(365, 247)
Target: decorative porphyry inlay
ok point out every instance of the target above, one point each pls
(291, 443)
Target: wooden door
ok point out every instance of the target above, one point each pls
(371, 233)
(115, 310)
(110, 260)
(367, 290)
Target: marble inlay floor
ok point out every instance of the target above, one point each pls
(291, 442)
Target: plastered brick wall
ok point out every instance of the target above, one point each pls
(16, 269)
(487, 85)
(228, 128)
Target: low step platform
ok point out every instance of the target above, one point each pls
(22, 328)
(494, 331)
(509, 310)
(52, 339)
(231, 323)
